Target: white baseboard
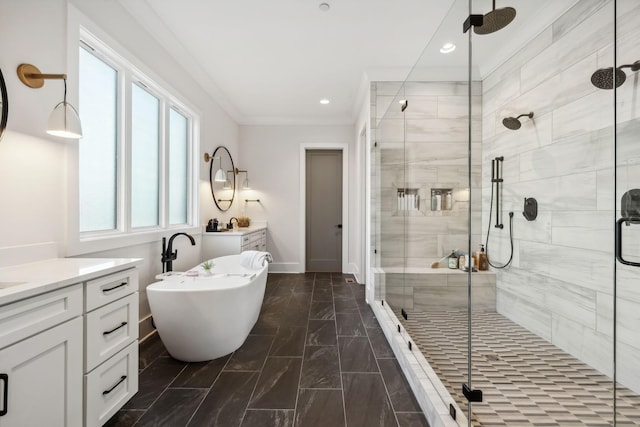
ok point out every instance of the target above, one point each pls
(285, 267)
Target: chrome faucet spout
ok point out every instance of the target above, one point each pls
(168, 254)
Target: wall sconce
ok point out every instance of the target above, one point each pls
(220, 176)
(245, 183)
(63, 121)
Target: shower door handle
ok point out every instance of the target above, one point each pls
(630, 220)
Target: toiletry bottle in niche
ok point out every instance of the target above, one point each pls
(448, 201)
(434, 203)
(461, 262)
(483, 262)
(438, 201)
(453, 260)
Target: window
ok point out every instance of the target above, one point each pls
(136, 158)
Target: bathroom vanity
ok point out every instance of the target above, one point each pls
(217, 244)
(68, 341)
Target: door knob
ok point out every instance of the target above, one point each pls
(339, 225)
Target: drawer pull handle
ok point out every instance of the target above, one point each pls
(122, 378)
(114, 329)
(5, 379)
(104, 291)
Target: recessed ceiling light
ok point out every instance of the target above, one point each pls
(324, 7)
(324, 101)
(447, 47)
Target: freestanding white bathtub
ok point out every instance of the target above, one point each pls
(203, 318)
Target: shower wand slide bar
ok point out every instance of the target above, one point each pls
(496, 177)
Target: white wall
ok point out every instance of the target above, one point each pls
(271, 154)
(34, 167)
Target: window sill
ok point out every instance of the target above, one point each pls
(98, 243)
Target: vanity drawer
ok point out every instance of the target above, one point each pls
(106, 289)
(111, 385)
(22, 319)
(109, 329)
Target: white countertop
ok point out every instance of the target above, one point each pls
(240, 231)
(51, 274)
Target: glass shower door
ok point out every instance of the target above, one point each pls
(626, 305)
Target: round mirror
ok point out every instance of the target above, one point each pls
(222, 178)
(4, 105)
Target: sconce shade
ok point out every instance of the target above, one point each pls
(220, 176)
(245, 184)
(64, 122)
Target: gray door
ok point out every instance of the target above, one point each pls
(324, 210)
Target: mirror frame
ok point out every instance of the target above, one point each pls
(5, 105)
(218, 153)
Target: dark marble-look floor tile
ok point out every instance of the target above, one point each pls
(200, 375)
(153, 380)
(125, 418)
(320, 276)
(368, 318)
(173, 408)
(321, 332)
(320, 368)
(322, 293)
(303, 287)
(150, 349)
(289, 341)
(379, 343)
(365, 400)
(268, 418)
(322, 310)
(278, 384)
(411, 419)
(356, 355)
(251, 355)
(225, 404)
(342, 291)
(301, 301)
(263, 329)
(350, 325)
(317, 408)
(397, 386)
(295, 316)
(346, 306)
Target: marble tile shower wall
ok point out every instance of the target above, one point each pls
(423, 148)
(560, 285)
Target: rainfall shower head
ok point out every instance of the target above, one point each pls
(513, 123)
(496, 20)
(603, 78)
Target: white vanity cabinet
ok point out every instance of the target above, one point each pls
(41, 375)
(68, 342)
(233, 242)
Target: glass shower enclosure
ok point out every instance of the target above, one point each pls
(525, 139)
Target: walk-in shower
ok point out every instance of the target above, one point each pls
(553, 338)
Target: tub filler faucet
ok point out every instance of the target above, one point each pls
(168, 254)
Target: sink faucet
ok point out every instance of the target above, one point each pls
(168, 254)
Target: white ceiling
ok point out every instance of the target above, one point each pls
(270, 62)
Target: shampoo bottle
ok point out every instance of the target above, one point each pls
(483, 262)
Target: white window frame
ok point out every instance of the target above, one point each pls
(83, 33)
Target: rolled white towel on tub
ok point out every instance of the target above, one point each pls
(254, 259)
